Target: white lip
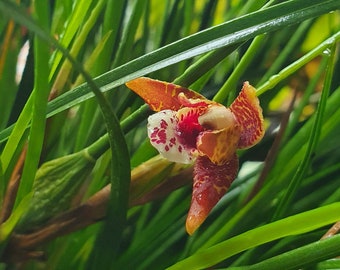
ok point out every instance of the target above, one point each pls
(172, 150)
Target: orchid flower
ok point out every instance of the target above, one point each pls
(188, 128)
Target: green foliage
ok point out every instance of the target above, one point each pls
(70, 130)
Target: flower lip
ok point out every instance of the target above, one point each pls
(163, 136)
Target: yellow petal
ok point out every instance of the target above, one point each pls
(160, 95)
(211, 182)
(248, 113)
(219, 145)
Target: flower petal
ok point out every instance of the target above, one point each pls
(248, 114)
(162, 134)
(210, 183)
(160, 95)
(219, 145)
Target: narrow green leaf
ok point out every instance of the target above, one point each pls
(2, 183)
(41, 86)
(20, 15)
(17, 133)
(89, 107)
(290, 192)
(225, 34)
(301, 257)
(230, 85)
(7, 227)
(284, 73)
(111, 24)
(297, 224)
(126, 42)
(8, 59)
(77, 45)
(72, 26)
(305, 99)
(108, 239)
(205, 64)
(102, 144)
(292, 44)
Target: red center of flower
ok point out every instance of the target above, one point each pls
(188, 127)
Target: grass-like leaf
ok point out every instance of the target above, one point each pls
(72, 217)
(292, 225)
(222, 35)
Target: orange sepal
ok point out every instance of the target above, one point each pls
(219, 145)
(160, 95)
(211, 182)
(248, 113)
